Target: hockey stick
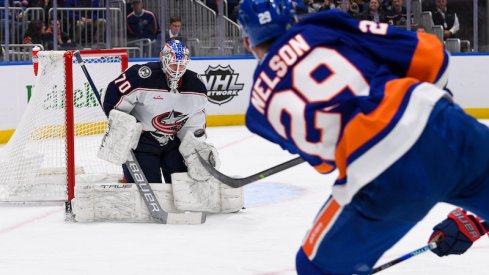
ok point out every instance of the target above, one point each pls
(423, 249)
(239, 182)
(144, 188)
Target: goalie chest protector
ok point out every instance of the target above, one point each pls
(143, 92)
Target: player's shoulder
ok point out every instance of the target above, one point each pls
(191, 74)
(193, 83)
(148, 13)
(143, 70)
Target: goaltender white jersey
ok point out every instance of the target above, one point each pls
(142, 91)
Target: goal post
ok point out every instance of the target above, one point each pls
(56, 142)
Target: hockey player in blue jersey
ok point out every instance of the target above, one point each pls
(158, 109)
(366, 99)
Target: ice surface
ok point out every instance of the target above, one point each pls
(260, 240)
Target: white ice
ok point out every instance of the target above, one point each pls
(260, 240)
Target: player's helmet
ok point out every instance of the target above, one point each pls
(264, 20)
(174, 57)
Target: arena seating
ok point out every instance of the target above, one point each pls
(205, 32)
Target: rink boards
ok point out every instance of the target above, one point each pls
(228, 81)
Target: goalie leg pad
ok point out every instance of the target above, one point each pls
(232, 199)
(117, 202)
(209, 196)
(189, 147)
(122, 135)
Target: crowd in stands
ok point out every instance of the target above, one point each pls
(144, 24)
(41, 32)
(446, 18)
(37, 33)
(392, 12)
(381, 11)
(141, 23)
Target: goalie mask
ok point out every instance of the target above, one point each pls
(174, 58)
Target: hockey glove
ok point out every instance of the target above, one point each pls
(189, 147)
(456, 234)
(121, 136)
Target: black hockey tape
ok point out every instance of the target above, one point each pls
(199, 133)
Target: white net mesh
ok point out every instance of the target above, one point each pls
(33, 165)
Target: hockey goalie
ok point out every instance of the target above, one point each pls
(157, 110)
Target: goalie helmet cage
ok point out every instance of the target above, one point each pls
(56, 141)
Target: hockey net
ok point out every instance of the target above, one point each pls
(56, 141)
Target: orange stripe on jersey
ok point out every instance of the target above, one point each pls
(324, 168)
(319, 228)
(427, 59)
(362, 128)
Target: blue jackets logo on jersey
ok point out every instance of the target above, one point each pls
(221, 84)
(169, 123)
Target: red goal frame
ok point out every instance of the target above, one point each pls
(69, 103)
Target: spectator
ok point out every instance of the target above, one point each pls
(397, 14)
(374, 13)
(63, 39)
(349, 7)
(446, 18)
(327, 5)
(318, 5)
(382, 3)
(21, 3)
(34, 33)
(141, 23)
(85, 28)
(173, 33)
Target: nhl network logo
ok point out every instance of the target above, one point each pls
(221, 84)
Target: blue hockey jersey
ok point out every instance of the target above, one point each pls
(347, 94)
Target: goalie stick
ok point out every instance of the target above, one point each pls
(158, 214)
(418, 251)
(239, 182)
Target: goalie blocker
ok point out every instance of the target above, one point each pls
(122, 135)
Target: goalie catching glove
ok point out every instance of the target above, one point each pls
(457, 233)
(189, 147)
(122, 135)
